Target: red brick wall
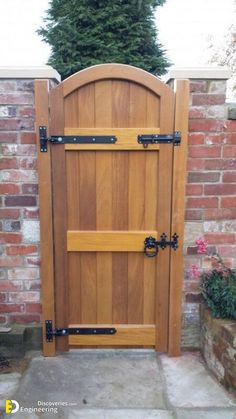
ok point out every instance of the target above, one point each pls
(19, 226)
(210, 191)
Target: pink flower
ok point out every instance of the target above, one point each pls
(195, 273)
(201, 246)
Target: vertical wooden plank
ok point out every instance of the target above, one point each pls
(87, 210)
(74, 280)
(151, 197)
(177, 225)
(46, 223)
(88, 288)
(153, 110)
(164, 220)
(74, 288)
(151, 194)
(87, 206)
(120, 222)
(73, 189)
(71, 110)
(120, 118)
(72, 167)
(136, 213)
(120, 103)
(103, 118)
(138, 106)
(59, 213)
(104, 222)
(86, 109)
(103, 103)
(87, 188)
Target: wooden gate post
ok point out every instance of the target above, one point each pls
(178, 210)
(46, 225)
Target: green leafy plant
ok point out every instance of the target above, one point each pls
(218, 286)
(83, 33)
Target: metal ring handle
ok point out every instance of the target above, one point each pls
(150, 243)
(150, 254)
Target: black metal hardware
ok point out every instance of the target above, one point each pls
(159, 139)
(73, 139)
(151, 245)
(43, 139)
(65, 331)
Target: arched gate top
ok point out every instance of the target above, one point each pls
(114, 71)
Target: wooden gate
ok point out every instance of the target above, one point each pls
(99, 200)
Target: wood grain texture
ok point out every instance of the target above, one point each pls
(121, 105)
(71, 110)
(87, 190)
(86, 106)
(88, 302)
(87, 207)
(46, 217)
(103, 118)
(136, 210)
(111, 72)
(177, 224)
(152, 179)
(130, 335)
(107, 241)
(126, 138)
(59, 214)
(73, 188)
(117, 195)
(120, 170)
(74, 287)
(164, 220)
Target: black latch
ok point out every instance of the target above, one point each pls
(72, 139)
(50, 332)
(159, 139)
(151, 244)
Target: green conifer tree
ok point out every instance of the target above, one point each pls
(82, 33)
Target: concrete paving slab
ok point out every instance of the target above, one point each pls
(120, 414)
(206, 414)
(21, 415)
(8, 386)
(189, 384)
(109, 379)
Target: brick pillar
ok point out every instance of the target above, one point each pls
(19, 225)
(211, 187)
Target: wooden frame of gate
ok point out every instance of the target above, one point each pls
(53, 247)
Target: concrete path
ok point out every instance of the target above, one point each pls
(115, 384)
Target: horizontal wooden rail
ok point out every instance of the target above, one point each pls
(126, 138)
(107, 241)
(129, 335)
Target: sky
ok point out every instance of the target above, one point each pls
(184, 26)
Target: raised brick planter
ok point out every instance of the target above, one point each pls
(218, 347)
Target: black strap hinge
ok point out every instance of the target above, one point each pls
(65, 331)
(72, 139)
(147, 139)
